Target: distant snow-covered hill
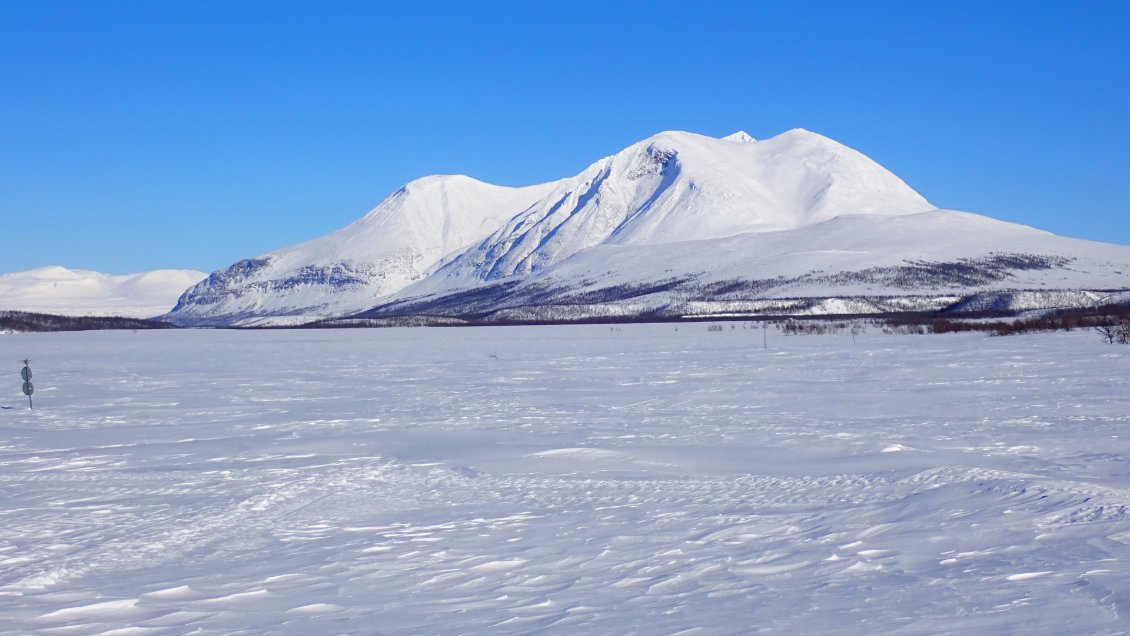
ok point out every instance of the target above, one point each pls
(677, 224)
(76, 292)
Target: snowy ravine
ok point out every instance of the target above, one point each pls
(650, 479)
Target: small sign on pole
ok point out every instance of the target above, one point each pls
(29, 388)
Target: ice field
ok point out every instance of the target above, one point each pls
(637, 479)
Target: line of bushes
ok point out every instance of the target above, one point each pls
(1111, 321)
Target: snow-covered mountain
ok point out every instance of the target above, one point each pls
(679, 186)
(928, 261)
(76, 292)
(353, 268)
(676, 224)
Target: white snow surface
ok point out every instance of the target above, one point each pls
(638, 479)
(76, 292)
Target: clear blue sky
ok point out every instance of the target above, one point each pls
(142, 135)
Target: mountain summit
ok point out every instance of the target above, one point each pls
(676, 224)
(678, 186)
(741, 135)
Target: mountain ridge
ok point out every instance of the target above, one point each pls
(392, 245)
(672, 187)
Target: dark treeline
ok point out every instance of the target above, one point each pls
(1115, 317)
(28, 321)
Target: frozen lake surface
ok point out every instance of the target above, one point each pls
(647, 479)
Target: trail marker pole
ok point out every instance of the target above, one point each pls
(29, 388)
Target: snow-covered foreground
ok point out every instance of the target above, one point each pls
(589, 479)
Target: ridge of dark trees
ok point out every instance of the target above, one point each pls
(31, 321)
(1113, 318)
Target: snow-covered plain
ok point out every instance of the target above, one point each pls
(647, 479)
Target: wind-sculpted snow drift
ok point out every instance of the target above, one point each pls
(638, 479)
(678, 224)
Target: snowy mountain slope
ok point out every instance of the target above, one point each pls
(939, 256)
(350, 269)
(678, 186)
(76, 292)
